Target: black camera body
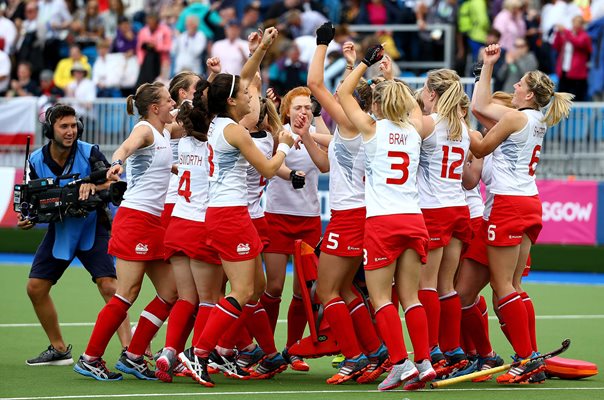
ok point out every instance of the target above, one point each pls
(45, 200)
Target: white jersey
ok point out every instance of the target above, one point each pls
(440, 167)
(148, 172)
(282, 198)
(346, 172)
(515, 160)
(228, 168)
(256, 182)
(172, 194)
(475, 202)
(193, 181)
(391, 161)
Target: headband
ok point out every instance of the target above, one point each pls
(232, 87)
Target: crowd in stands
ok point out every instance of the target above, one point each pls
(106, 48)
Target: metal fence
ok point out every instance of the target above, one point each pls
(574, 148)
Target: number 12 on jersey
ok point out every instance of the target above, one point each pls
(448, 171)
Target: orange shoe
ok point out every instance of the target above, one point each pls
(522, 373)
(296, 362)
(351, 368)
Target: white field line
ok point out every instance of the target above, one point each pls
(295, 392)
(283, 321)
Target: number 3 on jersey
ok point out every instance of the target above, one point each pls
(184, 186)
(402, 166)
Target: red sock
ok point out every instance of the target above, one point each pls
(395, 300)
(514, 315)
(337, 315)
(450, 321)
(363, 326)
(505, 331)
(110, 318)
(389, 324)
(484, 310)
(244, 339)
(259, 326)
(417, 325)
(429, 299)
(179, 325)
(472, 322)
(203, 313)
(467, 344)
(229, 339)
(151, 319)
(530, 311)
(271, 305)
(222, 317)
(296, 321)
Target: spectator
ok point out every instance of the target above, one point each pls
(129, 74)
(53, 22)
(473, 23)
(561, 12)
(188, 46)
(251, 18)
(5, 67)
(510, 23)
(153, 49)
(15, 11)
(518, 61)
(29, 47)
(48, 88)
(288, 72)
(63, 76)
(88, 25)
(435, 12)
(8, 30)
(574, 50)
(82, 89)
(125, 39)
(596, 72)
(232, 50)
(24, 85)
(111, 18)
(104, 71)
(302, 23)
(198, 8)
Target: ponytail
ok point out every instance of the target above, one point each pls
(130, 104)
(448, 107)
(194, 116)
(560, 108)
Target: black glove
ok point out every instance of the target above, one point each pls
(373, 55)
(315, 106)
(476, 70)
(298, 181)
(325, 33)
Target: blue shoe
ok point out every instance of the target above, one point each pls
(269, 367)
(247, 359)
(351, 368)
(96, 369)
(455, 361)
(138, 367)
(379, 362)
(437, 357)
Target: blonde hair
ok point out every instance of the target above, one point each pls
(268, 110)
(542, 88)
(512, 4)
(464, 104)
(446, 83)
(418, 97)
(286, 102)
(504, 98)
(394, 100)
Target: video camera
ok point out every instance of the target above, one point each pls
(45, 200)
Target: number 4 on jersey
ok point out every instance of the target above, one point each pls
(184, 186)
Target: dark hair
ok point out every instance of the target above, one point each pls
(146, 94)
(58, 111)
(363, 95)
(220, 91)
(494, 32)
(182, 80)
(195, 117)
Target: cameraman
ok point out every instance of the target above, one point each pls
(85, 238)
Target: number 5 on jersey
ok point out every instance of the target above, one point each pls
(332, 241)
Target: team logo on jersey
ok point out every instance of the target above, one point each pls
(243, 249)
(515, 237)
(353, 248)
(378, 259)
(141, 248)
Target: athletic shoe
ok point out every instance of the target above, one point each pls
(165, 364)
(247, 359)
(378, 363)
(197, 366)
(148, 351)
(52, 356)
(399, 374)
(138, 367)
(269, 367)
(337, 360)
(455, 360)
(351, 368)
(522, 373)
(426, 374)
(181, 370)
(437, 358)
(297, 363)
(96, 369)
(228, 365)
(538, 378)
(485, 363)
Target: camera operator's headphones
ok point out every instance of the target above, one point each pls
(47, 126)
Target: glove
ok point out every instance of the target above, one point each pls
(325, 33)
(476, 70)
(298, 181)
(315, 106)
(373, 55)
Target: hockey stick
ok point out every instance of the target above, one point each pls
(465, 378)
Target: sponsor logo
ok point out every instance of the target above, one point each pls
(434, 239)
(380, 259)
(353, 248)
(141, 248)
(515, 237)
(569, 212)
(243, 249)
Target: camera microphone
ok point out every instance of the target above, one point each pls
(96, 177)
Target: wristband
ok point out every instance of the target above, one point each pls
(350, 66)
(284, 148)
(117, 162)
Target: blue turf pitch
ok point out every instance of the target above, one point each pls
(570, 278)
